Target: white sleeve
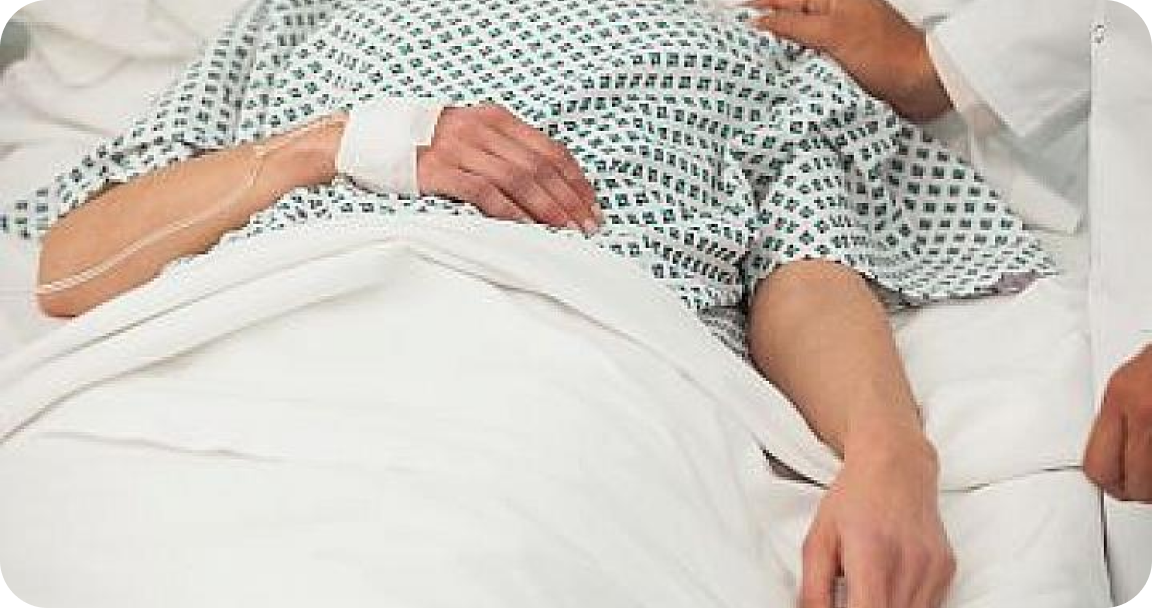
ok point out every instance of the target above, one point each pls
(1028, 62)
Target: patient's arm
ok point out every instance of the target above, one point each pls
(483, 155)
(127, 213)
(820, 335)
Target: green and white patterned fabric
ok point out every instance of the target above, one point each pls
(718, 152)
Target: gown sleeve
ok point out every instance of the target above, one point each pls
(838, 175)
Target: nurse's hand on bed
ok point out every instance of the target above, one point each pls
(485, 155)
(885, 53)
(1119, 455)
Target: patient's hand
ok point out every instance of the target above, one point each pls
(1119, 455)
(884, 53)
(879, 526)
(487, 156)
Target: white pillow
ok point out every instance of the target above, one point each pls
(82, 40)
(92, 66)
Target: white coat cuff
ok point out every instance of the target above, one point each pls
(378, 148)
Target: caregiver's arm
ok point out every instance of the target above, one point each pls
(483, 155)
(819, 334)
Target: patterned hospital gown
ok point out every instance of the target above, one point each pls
(718, 153)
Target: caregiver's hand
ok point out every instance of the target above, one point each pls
(487, 156)
(879, 526)
(1119, 455)
(885, 53)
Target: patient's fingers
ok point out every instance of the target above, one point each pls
(445, 180)
(519, 184)
(536, 174)
(1104, 457)
(821, 564)
(549, 149)
(533, 165)
(937, 578)
(912, 578)
(868, 570)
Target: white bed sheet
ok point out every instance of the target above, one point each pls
(1048, 521)
(1031, 536)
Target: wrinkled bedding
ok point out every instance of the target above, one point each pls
(440, 413)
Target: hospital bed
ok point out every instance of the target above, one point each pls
(105, 504)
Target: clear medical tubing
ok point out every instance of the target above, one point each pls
(261, 151)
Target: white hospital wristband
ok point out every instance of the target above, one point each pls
(378, 148)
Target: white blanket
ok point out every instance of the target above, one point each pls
(446, 413)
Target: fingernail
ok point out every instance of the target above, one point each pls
(590, 227)
(573, 226)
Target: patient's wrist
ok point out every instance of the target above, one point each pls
(310, 159)
(891, 442)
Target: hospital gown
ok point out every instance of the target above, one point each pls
(718, 153)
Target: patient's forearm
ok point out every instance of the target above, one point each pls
(819, 334)
(128, 213)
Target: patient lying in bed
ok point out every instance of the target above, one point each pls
(745, 174)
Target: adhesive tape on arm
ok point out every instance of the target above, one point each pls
(378, 149)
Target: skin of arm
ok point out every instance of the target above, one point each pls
(819, 334)
(127, 213)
